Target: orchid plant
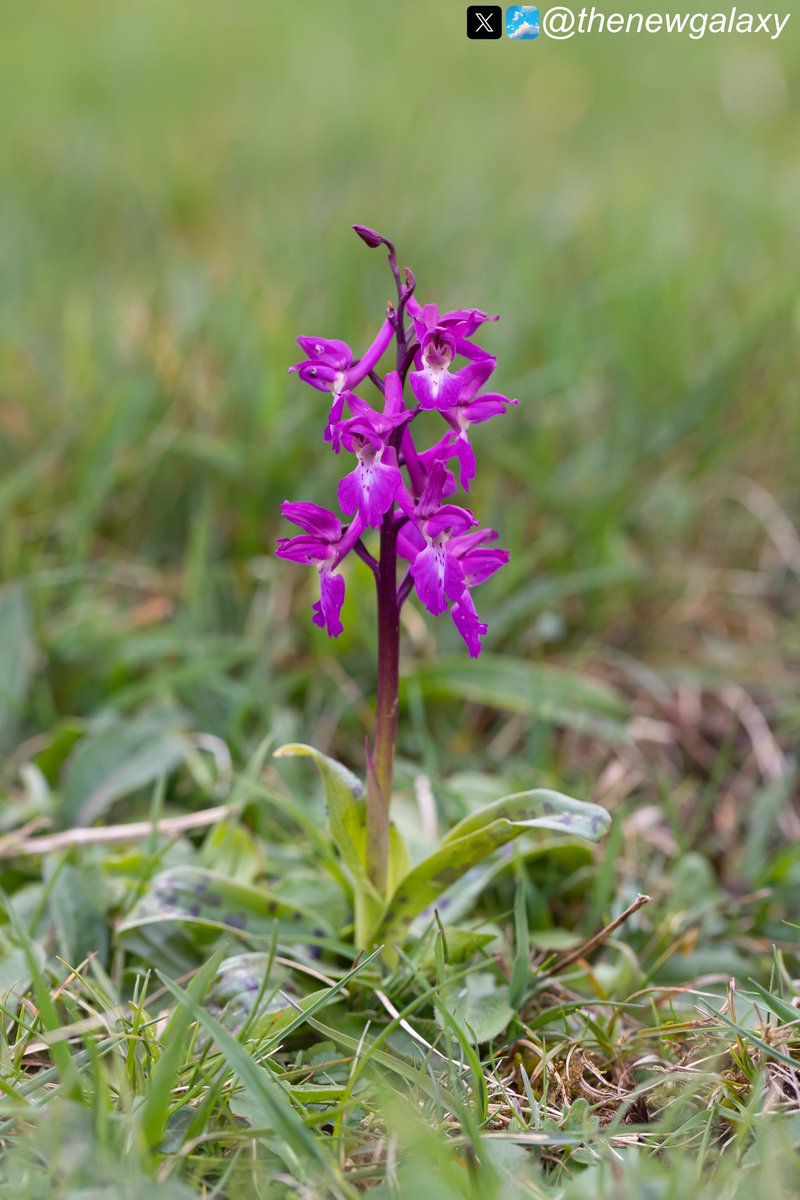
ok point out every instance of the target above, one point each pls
(402, 488)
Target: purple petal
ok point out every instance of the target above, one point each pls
(393, 395)
(449, 517)
(319, 521)
(333, 430)
(371, 488)
(476, 537)
(374, 429)
(410, 542)
(486, 407)
(466, 622)
(468, 349)
(304, 549)
(425, 318)
(464, 321)
(329, 351)
(482, 562)
(319, 375)
(437, 574)
(431, 498)
(348, 539)
(362, 368)
(435, 388)
(441, 452)
(360, 408)
(327, 609)
(472, 378)
(466, 460)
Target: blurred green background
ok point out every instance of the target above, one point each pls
(177, 186)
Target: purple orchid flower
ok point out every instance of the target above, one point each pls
(470, 562)
(470, 409)
(441, 339)
(437, 573)
(324, 543)
(478, 562)
(434, 384)
(372, 487)
(329, 367)
(458, 324)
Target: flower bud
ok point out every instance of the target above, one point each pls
(372, 239)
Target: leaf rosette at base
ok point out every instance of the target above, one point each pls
(467, 844)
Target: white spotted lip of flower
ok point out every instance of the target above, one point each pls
(372, 487)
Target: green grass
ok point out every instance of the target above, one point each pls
(176, 191)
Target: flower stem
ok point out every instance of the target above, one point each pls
(379, 782)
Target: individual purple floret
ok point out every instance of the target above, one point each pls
(396, 487)
(372, 487)
(471, 409)
(329, 367)
(435, 569)
(467, 562)
(478, 561)
(325, 543)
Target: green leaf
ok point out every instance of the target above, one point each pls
(369, 1052)
(244, 991)
(479, 1005)
(15, 972)
(48, 1013)
(17, 653)
(460, 945)
(347, 820)
(438, 872)
(79, 919)
(565, 856)
(549, 693)
(211, 901)
(244, 1105)
(315, 892)
(345, 803)
(478, 836)
(539, 808)
(128, 755)
(230, 849)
